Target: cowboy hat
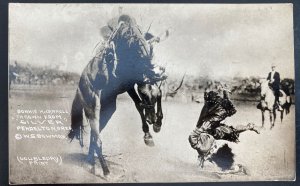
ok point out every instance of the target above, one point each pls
(105, 32)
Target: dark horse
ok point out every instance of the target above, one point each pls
(98, 89)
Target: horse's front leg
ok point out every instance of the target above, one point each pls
(95, 141)
(263, 118)
(272, 118)
(91, 157)
(281, 115)
(159, 115)
(138, 104)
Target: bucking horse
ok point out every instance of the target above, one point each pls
(99, 87)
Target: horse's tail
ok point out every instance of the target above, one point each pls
(76, 119)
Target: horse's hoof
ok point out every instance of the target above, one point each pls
(149, 142)
(93, 170)
(156, 128)
(272, 126)
(107, 178)
(106, 173)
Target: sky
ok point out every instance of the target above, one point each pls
(224, 40)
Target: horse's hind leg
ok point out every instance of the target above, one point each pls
(272, 118)
(93, 120)
(99, 118)
(281, 116)
(102, 116)
(91, 157)
(262, 118)
(108, 107)
(98, 149)
(96, 145)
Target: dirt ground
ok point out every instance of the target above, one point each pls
(267, 156)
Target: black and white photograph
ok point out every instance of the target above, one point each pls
(151, 93)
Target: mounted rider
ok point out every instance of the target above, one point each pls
(274, 83)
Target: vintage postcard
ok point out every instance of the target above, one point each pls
(123, 93)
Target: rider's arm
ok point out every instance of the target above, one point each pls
(219, 116)
(269, 76)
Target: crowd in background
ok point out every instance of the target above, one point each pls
(30, 75)
(246, 86)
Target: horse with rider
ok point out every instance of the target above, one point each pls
(274, 96)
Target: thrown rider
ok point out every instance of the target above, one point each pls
(217, 108)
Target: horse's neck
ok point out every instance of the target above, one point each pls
(269, 95)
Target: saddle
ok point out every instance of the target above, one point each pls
(281, 92)
(283, 99)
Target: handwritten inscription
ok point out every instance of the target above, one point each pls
(35, 111)
(40, 160)
(40, 136)
(41, 124)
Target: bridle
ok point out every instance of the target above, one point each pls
(147, 106)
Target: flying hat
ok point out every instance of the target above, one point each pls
(148, 36)
(273, 65)
(126, 19)
(105, 32)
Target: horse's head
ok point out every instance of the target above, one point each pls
(264, 87)
(151, 102)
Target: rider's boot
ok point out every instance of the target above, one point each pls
(279, 106)
(251, 126)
